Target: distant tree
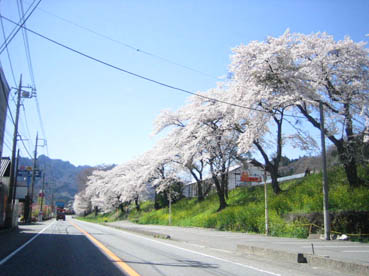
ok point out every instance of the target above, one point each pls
(82, 178)
(176, 141)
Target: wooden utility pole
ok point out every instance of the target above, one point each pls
(327, 226)
(9, 203)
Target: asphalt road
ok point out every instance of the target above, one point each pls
(73, 247)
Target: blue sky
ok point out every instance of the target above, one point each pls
(93, 114)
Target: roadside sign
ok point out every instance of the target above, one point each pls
(246, 178)
(38, 173)
(26, 172)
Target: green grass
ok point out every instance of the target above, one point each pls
(245, 212)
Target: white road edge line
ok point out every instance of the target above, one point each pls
(198, 253)
(24, 245)
(357, 251)
(213, 257)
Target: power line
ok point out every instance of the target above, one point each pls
(24, 146)
(7, 51)
(7, 146)
(30, 67)
(26, 124)
(26, 43)
(140, 76)
(15, 30)
(137, 50)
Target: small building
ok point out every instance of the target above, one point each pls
(251, 173)
(4, 94)
(4, 187)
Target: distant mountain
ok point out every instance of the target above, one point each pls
(60, 177)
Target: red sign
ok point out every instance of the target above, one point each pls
(246, 178)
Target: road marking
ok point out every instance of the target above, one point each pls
(357, 251)
(336, 246)
(24, 245)
(203, 254)
(122, 265)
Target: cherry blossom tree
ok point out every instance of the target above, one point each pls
(256, 85)
(336, 74)
(81, 204)
(213, 138)
(306, 70)
(177, 140)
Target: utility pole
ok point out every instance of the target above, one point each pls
(9, 203)
(266, 204)
(327, 226)
(33, 179)
(15, 181)
(170, 206)
(40, 214)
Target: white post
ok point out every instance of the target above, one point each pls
(266, 205)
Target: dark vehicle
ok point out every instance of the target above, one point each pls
(60, 214)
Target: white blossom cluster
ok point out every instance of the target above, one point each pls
(277, 82)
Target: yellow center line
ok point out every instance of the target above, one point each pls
(122, 265)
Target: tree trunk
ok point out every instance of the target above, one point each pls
(200, 195)
(348, 160)
(351, 173)
(274, 176)
(156, 203)
(220, 192)
(271, 168)
(225, 185)
(137, 204)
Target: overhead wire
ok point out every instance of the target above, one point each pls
(7, 146)
(7, 51)
(27, 126)
(11, 116)
(138, 75)
(26, 43)
(127, 45)
(16, 30)
(24, 146)
(30, 68)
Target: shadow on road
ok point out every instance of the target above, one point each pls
(53, 254)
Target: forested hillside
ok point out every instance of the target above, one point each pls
(60, 177)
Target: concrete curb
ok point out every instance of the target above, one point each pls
(143, 232)
(312, 260)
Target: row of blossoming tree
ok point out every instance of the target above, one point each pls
(271, 100)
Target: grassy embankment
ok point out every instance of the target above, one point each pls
(245, 212)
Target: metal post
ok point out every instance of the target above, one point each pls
(40, 214)
(9, 203)
(15, 181)
(327, 226)
(170, 206)
(27, 200)
(33, 179)
(266, 205)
